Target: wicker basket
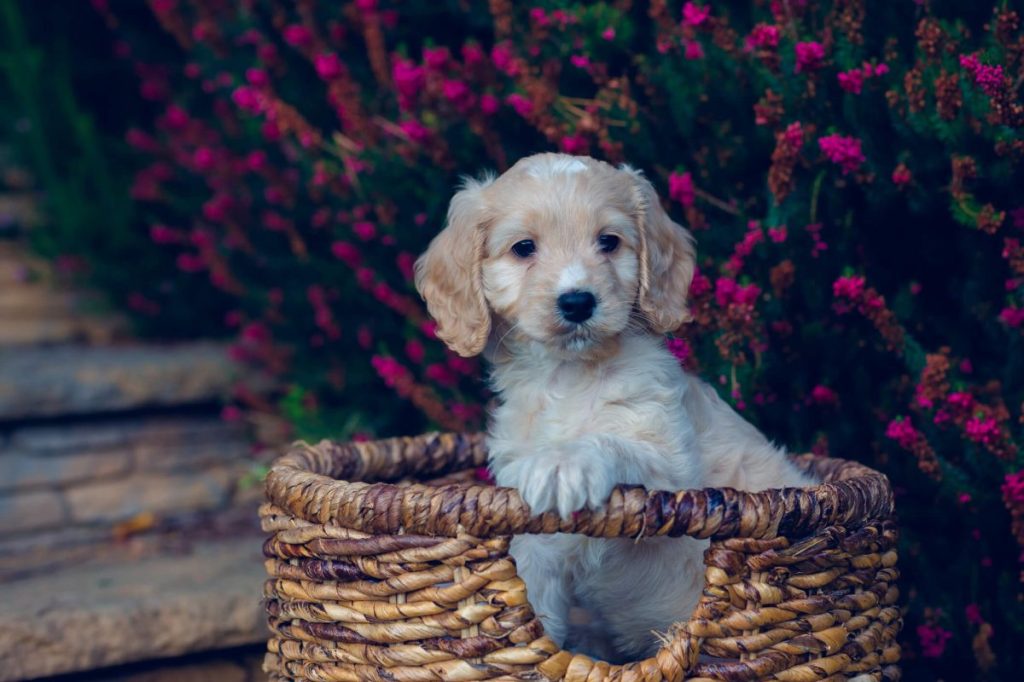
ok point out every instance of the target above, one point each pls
(410, 581)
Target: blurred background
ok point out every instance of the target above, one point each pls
(209, 212)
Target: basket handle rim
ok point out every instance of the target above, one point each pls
(325, 483)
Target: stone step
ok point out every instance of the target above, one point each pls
(34, 308)
(50, 381)
(125, 609)
(18, 210)
(68, 485)
(56, 329)
(235, 665)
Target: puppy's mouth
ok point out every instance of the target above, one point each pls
(576, 336)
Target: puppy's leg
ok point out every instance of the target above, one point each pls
(545, 564)
(640, 588)
(580, 473)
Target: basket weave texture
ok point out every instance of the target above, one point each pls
(409, 581)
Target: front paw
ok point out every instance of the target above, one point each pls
(568, 479)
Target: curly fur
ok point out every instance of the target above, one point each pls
(584, 407)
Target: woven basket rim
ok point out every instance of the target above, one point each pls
(328, 483)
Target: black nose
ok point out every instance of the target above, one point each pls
(577, 306)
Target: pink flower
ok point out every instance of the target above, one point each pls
(441, 374)
(267, 53)
(270, 131)
(257, 77)
(694, 15)
(455, 91)
(844, 151)
(247, 99)
(961, 400)
(608, 33)
(728, 292)
(963, 498)
(435, 58)
(989, 78)
(539, 17)
(777, 234)
(763, 35)
(297, 35)
(504, 60)
(680, 349)
(472, 54)
(389, 369)
(933, 640)
(981, 429)
(903, 432)
(901, 176)
(523, 106)
(405, 262)
(680, 188)
(973, 613)
(573, 144)
(161, 234)
(164, 6)
(1017, 215)
(364, 337)
(809, 56)
(141, 141)
(489, 104)
(823, 395)
(693, 50)
(849, 287)
(414, 349)
(408, 79)
(1012, 317)
(216, 208)
(1013, 488)
(203, 158)
(852, 81)
(700, 284)
(175, 117)
(346, 253)
(189, 262)
(580, 61)
(365, 230)
(416, 131)
(328, 66)
(256, 160)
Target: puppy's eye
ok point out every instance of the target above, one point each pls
(524, 249)
(608, 243)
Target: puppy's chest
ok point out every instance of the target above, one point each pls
(563, 407)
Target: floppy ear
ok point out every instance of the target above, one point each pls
(667, 260)
(449, 278)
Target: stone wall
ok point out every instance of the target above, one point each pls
(74, 483)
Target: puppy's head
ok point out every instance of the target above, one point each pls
(564, 250)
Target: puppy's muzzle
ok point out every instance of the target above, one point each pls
(577, 306)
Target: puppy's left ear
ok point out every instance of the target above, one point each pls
(448, 275)
(667, 259)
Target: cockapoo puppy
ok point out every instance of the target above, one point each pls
(566, 272)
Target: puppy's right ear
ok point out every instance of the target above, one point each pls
(449, 277)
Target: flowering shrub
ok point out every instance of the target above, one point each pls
(851, 171)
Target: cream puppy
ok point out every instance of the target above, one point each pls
(566, 272)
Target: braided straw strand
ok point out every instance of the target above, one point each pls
(388, 561)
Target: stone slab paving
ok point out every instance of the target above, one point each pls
(235, 665)
(41, 381)
(36, 309)
(109, 613)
